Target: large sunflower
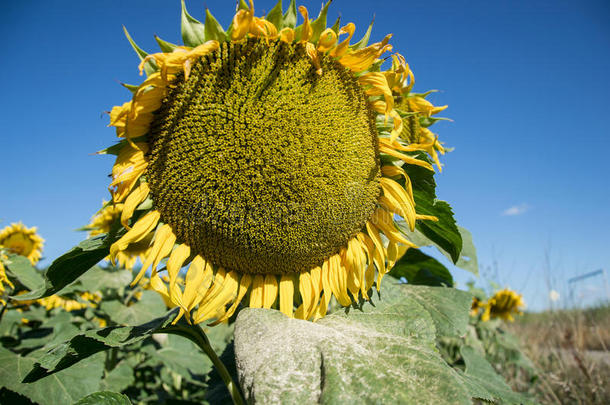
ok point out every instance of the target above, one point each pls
(18, 239)
(268, 160)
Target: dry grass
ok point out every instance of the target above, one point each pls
(570, 349)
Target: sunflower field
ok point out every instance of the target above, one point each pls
(272, 187)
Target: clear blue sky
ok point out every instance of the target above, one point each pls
(526, 81)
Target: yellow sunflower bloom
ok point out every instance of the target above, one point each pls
(503, 304)
(271, 177)
(86, 300)
(23, 241)
(4, 281)
(103, 220)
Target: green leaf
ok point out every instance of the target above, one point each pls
(337, 25)
(150, 66)
(319, 24)
(290, 17)
(275, 15)
(420, 269)
(149, 306)
(445, 232)
(468, 255)
(165, 46)
(65, 387)
(484, 383)
(104, 398)
(383, 354)
(213, 29)
(182, 356)
(193, 31)
(68, 267)
(365, 39)
(20, 268)
(119, 378)
(243, 5)
(99, 279)
(91, 342)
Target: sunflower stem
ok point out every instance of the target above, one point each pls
(195, 334)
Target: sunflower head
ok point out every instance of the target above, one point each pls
(503, 304)
(476, 306)
(23, 241)
(267, 164)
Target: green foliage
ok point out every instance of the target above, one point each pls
(420, 269)
(55, 356)
(382, 346)
(68, 267)
(444, 233)
(20, 268)
(193, 31)
(104, 398)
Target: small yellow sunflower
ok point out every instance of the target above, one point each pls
(476, 306)
(86, 300)
(269, 161)
(4, 281)
(101, 223)
(23, 241)
(503, 304)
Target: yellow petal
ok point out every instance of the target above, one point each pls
(244, 283)
(287, 35)
(139, 231)
(342, 48)
(307, 30)
(131, 203)
(362, 59)
(227, 292)
(270, 290)
(286, 294)
(256, 295)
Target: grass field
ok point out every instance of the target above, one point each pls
(571, 350)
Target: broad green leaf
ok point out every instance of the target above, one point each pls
(98, 279)
(419, 268)
(193, 31)
(384, 353)
(150, 305)
(150, 66)
(104, 398)
(444, 232)
(484, 383)
(119, 378)
(319, 24)
(67, 268)
(91, 342)
(468, 255)
(20, 268)
(165, 46)
(275, 15)
(213, 29)
(365, 39)
(181, 356)
(65, 387)
(290, 17)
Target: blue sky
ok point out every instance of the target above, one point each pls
(526, 83)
